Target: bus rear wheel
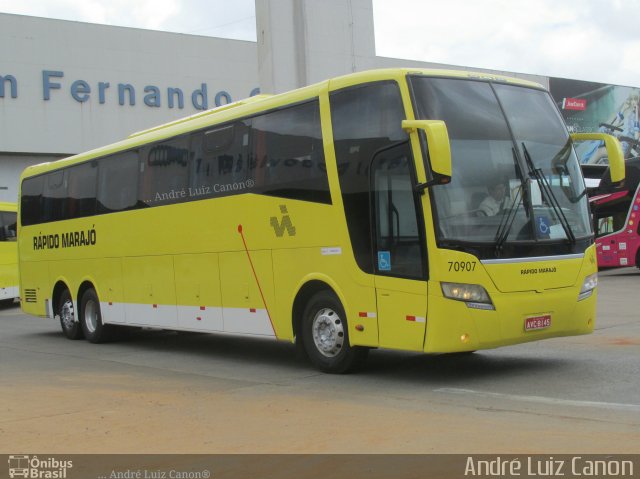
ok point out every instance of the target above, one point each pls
(91, 318)
(65, 311)
(325, 335)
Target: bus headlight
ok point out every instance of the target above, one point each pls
(588, 286)
(474, 295)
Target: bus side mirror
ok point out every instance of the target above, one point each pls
(436, 151)
(614, 152)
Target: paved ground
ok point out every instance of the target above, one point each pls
(164, 392)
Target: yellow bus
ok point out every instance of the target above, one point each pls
(9, 290)
(352, 214)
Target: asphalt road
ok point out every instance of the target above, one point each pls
(161, 392)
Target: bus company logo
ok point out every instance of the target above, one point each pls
(32, 467)
(574, 104)
(285, 224)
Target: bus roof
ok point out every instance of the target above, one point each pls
(202, 114)
(387, 73)
(249, 106)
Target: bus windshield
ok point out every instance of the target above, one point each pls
(516, 178)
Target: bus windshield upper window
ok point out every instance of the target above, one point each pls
(488, 124)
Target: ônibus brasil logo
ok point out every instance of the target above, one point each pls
(34, 468)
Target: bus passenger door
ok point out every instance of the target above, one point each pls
(399, 249)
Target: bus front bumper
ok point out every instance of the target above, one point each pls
(519, 317)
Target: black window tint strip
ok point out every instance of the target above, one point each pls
(283, 156)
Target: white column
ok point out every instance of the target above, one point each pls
(301, 42)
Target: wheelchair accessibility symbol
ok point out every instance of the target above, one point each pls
(384, 260)
(542, 223)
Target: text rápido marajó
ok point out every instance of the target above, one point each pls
(71, 239)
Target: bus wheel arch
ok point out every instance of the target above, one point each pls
(63, 308)
(86, 284)
(91, 316)
(321, 329)
(300, 302)
(58, 289)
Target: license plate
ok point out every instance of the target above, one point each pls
(535, 323)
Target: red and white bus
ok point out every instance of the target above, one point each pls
(616, 217)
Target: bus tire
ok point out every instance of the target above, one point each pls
(91, 318)
(325, 335)
(460, 354)
(71, 328)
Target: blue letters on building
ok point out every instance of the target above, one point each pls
(13, 85)
(124, 93)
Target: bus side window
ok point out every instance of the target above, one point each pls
(11, 225)
(31, 201)
(55, 196)
(81, 199)
(7, 227)
(395, 209)
(164, 172)
(287, 154)
(365, 120)
(118, 182)
(219, 158)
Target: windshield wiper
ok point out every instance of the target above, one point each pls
(507, 222)
(502, 233)
(545, 187)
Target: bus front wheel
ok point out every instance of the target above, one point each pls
(325, 335)
(70, 327)
(91, 318)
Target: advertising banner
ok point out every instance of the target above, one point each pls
(597, 107)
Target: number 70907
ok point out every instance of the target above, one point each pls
(459, 266)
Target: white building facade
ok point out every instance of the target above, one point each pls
(68, 87)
